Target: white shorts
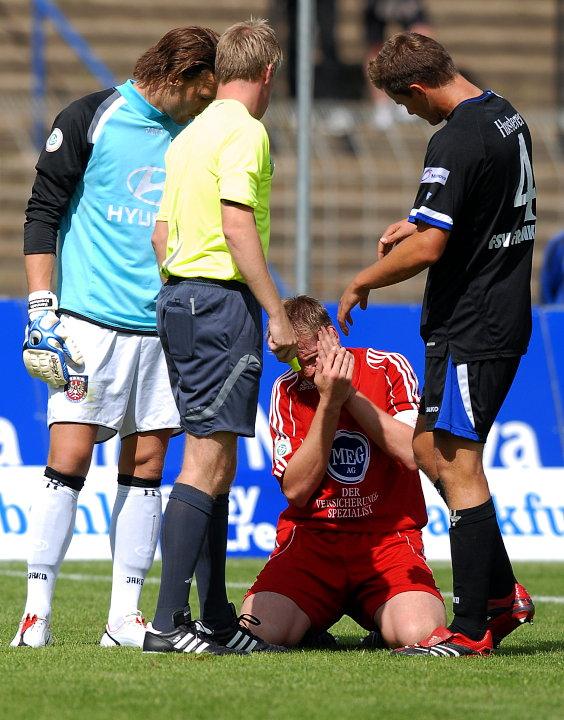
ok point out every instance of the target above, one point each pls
(123, 386)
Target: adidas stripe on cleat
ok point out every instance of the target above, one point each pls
(238, 637)
(442, 642)
(33, 631)
(507, 614)
(185, 638)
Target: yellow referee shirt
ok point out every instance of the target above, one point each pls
(223, 154)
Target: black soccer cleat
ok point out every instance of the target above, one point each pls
(373, 641)
(237, 637)
(185, 638)
(318, 640)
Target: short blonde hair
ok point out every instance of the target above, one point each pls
(306, 315)
(245, 50)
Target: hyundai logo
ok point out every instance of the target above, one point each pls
(147, 184)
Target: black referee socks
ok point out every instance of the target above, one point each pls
(185, 524)
(215, 610)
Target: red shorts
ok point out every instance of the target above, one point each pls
(330, 574)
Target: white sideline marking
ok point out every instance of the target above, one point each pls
(108, 578)
(556, 599)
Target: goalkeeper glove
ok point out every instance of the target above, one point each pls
(47, 345)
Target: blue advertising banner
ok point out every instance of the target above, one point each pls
(527, 436)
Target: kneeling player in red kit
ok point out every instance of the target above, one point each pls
(349, 541)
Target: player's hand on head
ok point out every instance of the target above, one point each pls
(334, 372)
(47, 347)
(328, 339)
(394, 234)
(352, 296)
(281, 338)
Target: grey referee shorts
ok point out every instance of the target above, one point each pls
(211, 333)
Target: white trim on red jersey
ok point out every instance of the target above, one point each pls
(407, 417)
(376, 359)
(362, 487)
(277, 421)
(403, 393)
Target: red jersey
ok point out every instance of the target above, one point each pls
(364, 489)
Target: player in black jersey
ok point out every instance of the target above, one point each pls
(473, 226)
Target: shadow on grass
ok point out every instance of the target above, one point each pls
(340, 644)
(533, 648)
(353, 644)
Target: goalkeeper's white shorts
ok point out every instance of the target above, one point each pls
(123, 386)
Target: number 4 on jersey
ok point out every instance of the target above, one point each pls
(522, 196)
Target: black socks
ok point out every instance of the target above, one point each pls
(185, 524)
(210, 571)
(474, 544)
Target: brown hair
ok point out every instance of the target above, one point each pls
(306, 314)
(181, 53)
(245, 50)
(409, 58)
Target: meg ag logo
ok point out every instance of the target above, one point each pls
(349, 457)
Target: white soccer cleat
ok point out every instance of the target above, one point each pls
(130, 633)
(33, 632)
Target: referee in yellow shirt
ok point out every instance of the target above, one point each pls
(211, 242)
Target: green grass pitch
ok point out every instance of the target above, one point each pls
(77, 679)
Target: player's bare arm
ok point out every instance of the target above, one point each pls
(391, 436)
(39, 271)
(307, 467)
(242, 238)
(47, 345)
(394, 234)
(159, 240)
(416, 253)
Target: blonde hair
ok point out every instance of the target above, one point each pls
(245, 50)
(306, 314)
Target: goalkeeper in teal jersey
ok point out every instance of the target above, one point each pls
(93, 205)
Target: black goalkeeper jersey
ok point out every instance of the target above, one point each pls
(478, 183)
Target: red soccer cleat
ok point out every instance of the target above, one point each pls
(442, 642)
(508, 613)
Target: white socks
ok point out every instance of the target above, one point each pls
(134, 533)
(51, 525)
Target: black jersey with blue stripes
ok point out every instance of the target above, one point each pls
(478, 184)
